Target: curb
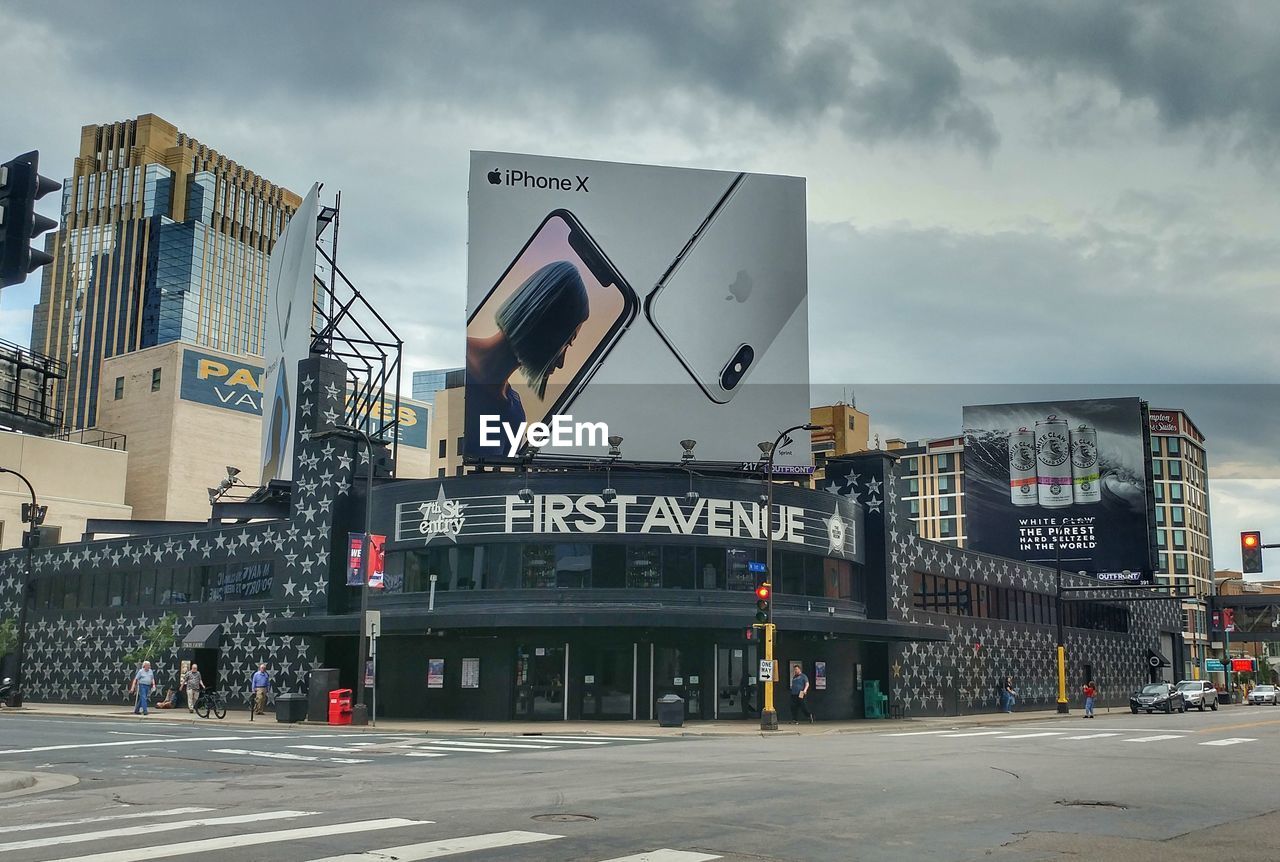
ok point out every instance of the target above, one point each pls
(11, 781)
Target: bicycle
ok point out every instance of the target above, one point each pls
(212, 701)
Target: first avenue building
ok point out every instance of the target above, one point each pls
(573, 593)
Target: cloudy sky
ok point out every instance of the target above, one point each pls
(1000, 192)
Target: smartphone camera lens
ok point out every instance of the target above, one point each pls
(736, 368)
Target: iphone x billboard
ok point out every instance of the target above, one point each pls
(654, 304)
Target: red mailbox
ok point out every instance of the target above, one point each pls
(340, 706)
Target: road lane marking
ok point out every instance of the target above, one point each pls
(132, 815)
(1034, 735)
(1158, 738)
(460, 750)
(920, 732)
(970, 733)
(1120, 729)
(497, 739)
(448, 847)
(284, 755)
(1235, 740)
(1091, 736)
(333, 748)
(425, 754)
(593, 738)
(227, 842)
(148, 828)
(167, 740)
(666, 856)
(464, 744)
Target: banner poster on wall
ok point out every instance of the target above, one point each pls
(1064, 481)
(596, 290)
(820, 675)
(355, 558)
(435, 673)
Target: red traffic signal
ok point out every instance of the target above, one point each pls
(763, 592)
(1251, 552)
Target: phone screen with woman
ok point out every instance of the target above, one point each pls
(541, 332)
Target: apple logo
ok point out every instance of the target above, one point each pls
(495, 177)
(741, 287)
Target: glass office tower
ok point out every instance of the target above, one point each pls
(162, 239)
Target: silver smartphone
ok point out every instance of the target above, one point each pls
(732, 288)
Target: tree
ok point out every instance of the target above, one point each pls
(156, 643)
(8, 636)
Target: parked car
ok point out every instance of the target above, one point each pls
(1263, 694)
(1199, 693)
(1157, 696)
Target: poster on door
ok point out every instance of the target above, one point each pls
(435, 673)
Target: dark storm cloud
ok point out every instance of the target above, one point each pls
(1210, 66)
(901, 305)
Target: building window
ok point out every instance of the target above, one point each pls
(1172, 446)
(913, 487)
(946, 462)
(1159, 514)
(441, 449)
(1155, 445)
(119, 393)
(1175, 469)
(910, 466)
(914, 507)
(1179, 564)
(1159, 491)
(155, 379)
(946, 505)
(1175, 492)
(947, 528)
(1157, 468)
(1179, 516)
(946, 484)
(1180, 540)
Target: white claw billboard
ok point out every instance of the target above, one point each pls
(654, 304)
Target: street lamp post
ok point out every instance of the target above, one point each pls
(15, 696)
(360, 713)
(1226, 634)
(769, 715)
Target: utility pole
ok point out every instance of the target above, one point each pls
(1062, 644)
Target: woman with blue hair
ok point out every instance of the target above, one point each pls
(536, 326)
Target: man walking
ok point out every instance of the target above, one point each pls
(261, 685)
(143, 680)
(799, 688)
(193, 684)
(1090, 691)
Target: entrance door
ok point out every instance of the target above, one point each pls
(608, 676)
(540, 682)
(679, 670)
(737, 692)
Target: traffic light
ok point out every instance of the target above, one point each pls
(763, 592)
(41, 511)
(1251, 552)
(20, 187)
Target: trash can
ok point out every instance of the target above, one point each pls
(671, 711)
(291, 708)
(340, 706)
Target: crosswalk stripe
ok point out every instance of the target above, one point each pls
(250, 839)
(1235, 740)
(918, 733)
(284, 755)
(445, 847)
(166, 740)
(1091, 736)
(666, 856)
(334, 748)
(463, 744)
(1034, 735)
(973, 733)
(460, 750)
(148, 828)
(1158, 738)
(425, 754)
(132, 815)
(605, 738)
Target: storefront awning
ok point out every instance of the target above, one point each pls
(203, 637)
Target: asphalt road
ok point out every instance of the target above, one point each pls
(1117, 787)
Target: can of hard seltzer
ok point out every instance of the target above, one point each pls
(1085, 472)
(1053, 462)
(1022, 468)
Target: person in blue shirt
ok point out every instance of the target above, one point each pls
(799, 688)
(261, 685)
(143, 680)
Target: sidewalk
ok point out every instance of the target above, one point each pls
(240, 720)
